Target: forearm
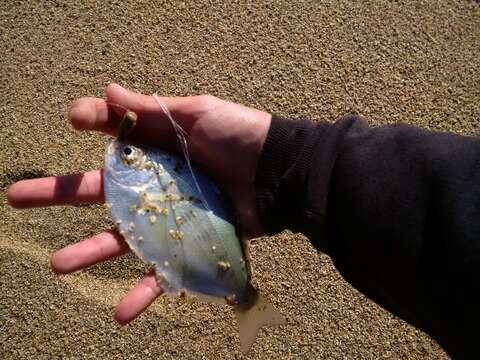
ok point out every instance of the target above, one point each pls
(397, 208)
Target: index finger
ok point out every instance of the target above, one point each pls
(90, 113)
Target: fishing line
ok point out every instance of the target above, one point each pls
(182, 137)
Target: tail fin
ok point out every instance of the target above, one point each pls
(252, 317)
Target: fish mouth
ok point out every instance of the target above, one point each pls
(113, 145)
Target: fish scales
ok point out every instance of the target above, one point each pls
(185, 260)
(182, 225)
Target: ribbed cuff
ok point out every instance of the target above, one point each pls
(282, 172)
(294, 172)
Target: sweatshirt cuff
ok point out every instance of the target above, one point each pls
(293, 175)
(282, 174)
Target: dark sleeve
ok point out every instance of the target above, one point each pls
(397, 208)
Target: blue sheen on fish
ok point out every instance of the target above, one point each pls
(176, 219)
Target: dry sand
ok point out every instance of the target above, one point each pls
(411, 61)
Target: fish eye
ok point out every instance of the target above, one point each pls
(127, 150)
(132, 156)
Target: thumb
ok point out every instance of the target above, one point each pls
(153, 126)
(151, 118)
(121, 99)
(147, 105)
(91, 113)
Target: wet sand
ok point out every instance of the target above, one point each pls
(390, 62)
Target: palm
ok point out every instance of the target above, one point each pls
(224, 138)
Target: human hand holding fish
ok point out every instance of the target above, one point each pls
(224, 139)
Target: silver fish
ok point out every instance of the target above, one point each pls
(176, 219)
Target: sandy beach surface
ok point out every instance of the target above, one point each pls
(391, 61)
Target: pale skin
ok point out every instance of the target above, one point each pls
(224, 138)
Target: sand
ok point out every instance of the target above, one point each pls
(415, 62)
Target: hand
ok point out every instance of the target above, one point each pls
(223, 138)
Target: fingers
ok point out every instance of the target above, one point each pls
(146, 104)
(97, 114)
(93, 114)
(86, 188)
(88, 252)
(100, 115)
(99, 248)
(131, 100)
(138, 299)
